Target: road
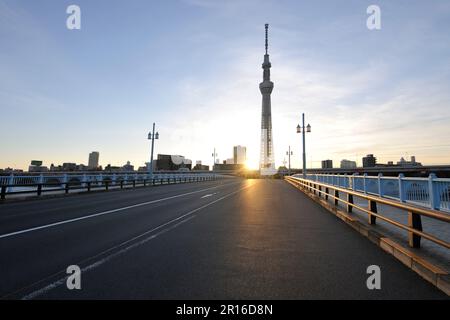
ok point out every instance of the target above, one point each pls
(227, 239)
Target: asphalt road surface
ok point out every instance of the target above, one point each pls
(227, 239)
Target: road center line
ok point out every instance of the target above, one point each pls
(7, 235)
(165, 228)
(208, 195)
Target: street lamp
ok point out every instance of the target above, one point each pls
(152, 136)
(214, 155)
(289, 153)
(302, 129)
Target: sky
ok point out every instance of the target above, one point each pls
(194, 66)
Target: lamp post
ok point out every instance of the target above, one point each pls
(214, 155)
(289, 153)
(302, 129)
(152, 136)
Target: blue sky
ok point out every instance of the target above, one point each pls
(193, 67)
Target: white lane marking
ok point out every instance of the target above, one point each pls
(104, 213)
(98, 263)
(208, 195)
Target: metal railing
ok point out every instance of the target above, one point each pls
(414, 227)
(431, 192)
(39, 184)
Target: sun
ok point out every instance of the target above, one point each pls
(251, 164)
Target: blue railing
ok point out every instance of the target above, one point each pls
(431, 192)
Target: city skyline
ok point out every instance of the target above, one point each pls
(99, 88)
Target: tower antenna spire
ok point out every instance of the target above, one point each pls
(267, 36)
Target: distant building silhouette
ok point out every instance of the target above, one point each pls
(230, 161)
(172, 163)
(369, 161)
(327, 164)
(405, 163)
(128, 167)
(200, 166)
(239, 154)
(93, 160)
(36, 166)
(348, 164)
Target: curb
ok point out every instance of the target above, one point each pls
(430, 272)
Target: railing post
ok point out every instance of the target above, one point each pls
(39, 189)
(106, 185)
(336, 199)
(372, 208)
(401, 189)
(433, 193)
(353, 184)
(380, 185)
(89, 186)
(145, 182)
(3, 193)
(10, 182)
(320, 193)
(415, 222)
(66, 189)
(350, 202)
(83, 180)
(121, 184)
(364, 183)
(326, 193)
(134, 183)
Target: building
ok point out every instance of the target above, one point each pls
(267, 159)
(228, 167)
(239, 154)
(167, 162)
(36, 166)
(200, 167)
(412, 163)
(69, 166)
(348, 164)
(11, 170)
(230, 161)
(93, 160)
(128, 167)
(369, 161)
(110, 168)
(327, 164)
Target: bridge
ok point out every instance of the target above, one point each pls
(228, 238)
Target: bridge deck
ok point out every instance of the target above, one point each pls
(229, 239)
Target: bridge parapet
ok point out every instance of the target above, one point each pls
(37, 184)
(431, 192)
(336, 186)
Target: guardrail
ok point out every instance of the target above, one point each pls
(431, 192)
(414, 227)
(47, 183)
